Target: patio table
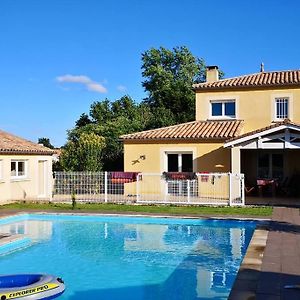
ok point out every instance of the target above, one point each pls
(265, 183)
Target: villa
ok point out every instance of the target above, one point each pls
(248, 124)
(25, 169)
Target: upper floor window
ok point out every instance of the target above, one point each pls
(223, 109)
(281, 108)
(18, 168)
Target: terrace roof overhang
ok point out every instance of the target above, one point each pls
(282, 135)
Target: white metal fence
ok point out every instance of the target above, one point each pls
(124, 187)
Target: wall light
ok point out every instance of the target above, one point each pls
(219, 166)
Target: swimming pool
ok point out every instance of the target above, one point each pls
(103, 257)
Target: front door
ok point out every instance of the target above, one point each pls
(42, 179)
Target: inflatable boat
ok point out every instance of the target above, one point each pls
(30, 286)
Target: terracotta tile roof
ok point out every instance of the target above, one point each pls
(275, 125)
(191, 130)
(11, 144)
(261, 79)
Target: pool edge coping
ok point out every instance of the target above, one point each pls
(133, 214)
(251, 266)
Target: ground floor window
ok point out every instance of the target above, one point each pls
(179, 162)
(18, 168)
(270, 165)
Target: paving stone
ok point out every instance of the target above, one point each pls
(250, 275)
(270, 267)
(291, 295)
(245, 285)
(261, 296)
(270, 289)
(241, 295)
(272, 255)
(280, 263)
(289, 280)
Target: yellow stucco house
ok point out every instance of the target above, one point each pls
(25, 169)
(248, 124)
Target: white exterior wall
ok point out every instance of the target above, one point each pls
(29, 187)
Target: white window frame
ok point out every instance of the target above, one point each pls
(164, 151)
(19, 176)
(285, 99)
(223, 116)
(179, 153)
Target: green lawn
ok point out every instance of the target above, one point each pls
(262, 211)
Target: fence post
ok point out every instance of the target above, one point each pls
(53, 186)
(230, 189)
(138, 187)
(166, 190)
(188, 191)
(105, 186)
(242, 178)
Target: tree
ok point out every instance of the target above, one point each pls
(83, 154)
(83, 120)
(56, 166)
(169, 76)
(100, 112)
(108, 120)
(46, 142)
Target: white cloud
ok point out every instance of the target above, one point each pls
(82, 79)
(121, 88)
(96, 87)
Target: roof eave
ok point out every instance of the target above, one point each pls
(175, 139)
(25, 152)
(245, 87)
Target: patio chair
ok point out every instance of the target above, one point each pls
(249, 189)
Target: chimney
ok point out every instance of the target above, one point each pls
(212, 73)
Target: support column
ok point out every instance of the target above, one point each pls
(235, 160)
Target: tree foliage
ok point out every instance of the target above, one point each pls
(83, 120)
(84, 153)
(108, 120)
(94, 143)
(45, 142)
(56, 166)
(169, 76)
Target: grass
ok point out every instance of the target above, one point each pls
(261, 211)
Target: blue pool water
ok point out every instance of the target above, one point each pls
(130, 257)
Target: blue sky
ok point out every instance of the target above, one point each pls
(59, 56)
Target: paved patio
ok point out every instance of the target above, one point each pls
(271, 267)
(273, 201)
